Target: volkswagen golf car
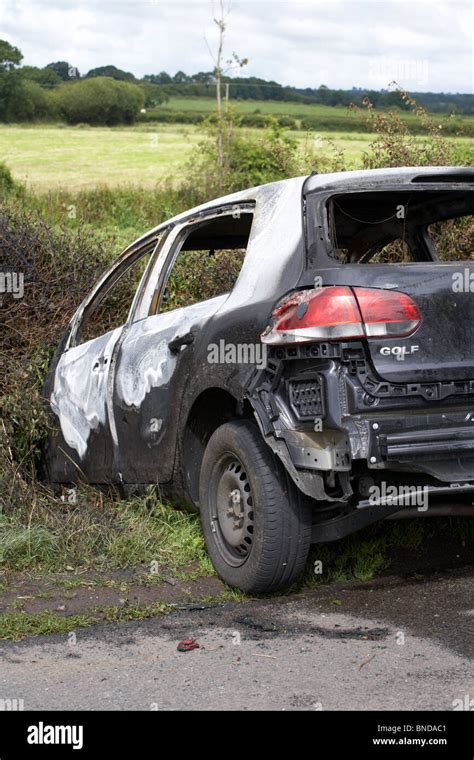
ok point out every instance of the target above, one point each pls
(295, 361)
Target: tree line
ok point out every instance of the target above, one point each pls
(107, 95)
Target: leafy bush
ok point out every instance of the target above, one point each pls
(344, 122)
(288, 122)
(99, 101)
(31, 103)
(7, 183)
(111, 71)
(262, 121)
(252, 120)
(57, 268)
(252, 160)
(171, 117)
(395, 145)
(46, 77)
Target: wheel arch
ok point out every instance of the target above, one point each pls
(210, 409)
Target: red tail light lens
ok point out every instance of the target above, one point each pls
(387, 312)
(340, 312)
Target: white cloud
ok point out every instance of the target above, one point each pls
(340, 43)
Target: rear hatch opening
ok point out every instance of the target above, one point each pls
(404, 253)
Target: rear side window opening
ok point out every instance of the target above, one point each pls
(401, 226)
(208, 261)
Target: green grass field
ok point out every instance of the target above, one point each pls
(207, 105)
(79, 158)
(76, 158)
(298, 111)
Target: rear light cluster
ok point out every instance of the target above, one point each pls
(340, 313)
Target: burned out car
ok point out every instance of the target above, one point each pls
(287, 360)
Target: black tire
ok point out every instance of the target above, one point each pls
(256, 524)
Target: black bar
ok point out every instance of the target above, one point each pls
(358, 733)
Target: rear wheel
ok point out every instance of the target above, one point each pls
(256, 525)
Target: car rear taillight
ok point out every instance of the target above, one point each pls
(387, 313)
(340, 313)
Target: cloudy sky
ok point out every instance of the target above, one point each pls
(422, 44)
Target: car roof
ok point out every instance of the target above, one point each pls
(368, 178)
(267, 192)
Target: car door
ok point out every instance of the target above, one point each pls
(80, 376)
(156, 351)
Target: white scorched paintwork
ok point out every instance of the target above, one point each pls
(79, 395)
(155, 363)
(80, 386)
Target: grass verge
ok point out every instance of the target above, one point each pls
(17, 625)
(98, 532)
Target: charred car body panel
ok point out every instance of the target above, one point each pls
(139, 404)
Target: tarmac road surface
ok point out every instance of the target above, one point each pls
(387, 644)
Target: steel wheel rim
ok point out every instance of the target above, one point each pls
(232, 511)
